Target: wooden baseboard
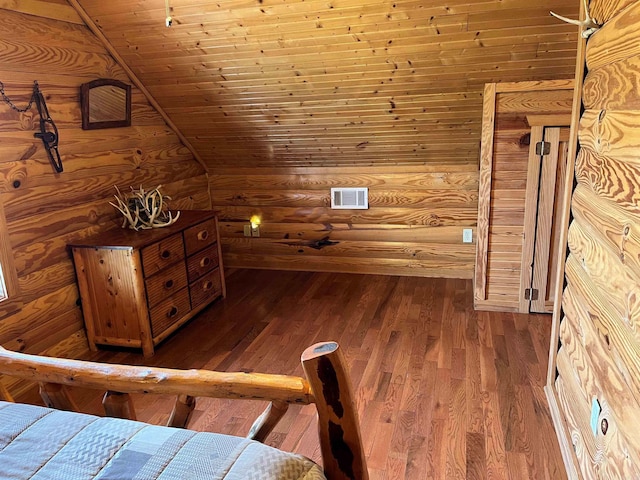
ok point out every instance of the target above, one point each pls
(488, 306)
(351, 265)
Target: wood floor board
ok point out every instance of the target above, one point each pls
(443, 392)
(476, 466)
(473, 387)
(494, 441)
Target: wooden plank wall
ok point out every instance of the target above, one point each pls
(413, 225)
(508, 188)
(45, 210)
(599, 353)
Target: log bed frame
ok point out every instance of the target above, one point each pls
(327, 386)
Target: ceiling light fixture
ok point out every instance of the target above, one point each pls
(168, 21)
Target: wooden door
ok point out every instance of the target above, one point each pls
(510, 112)
(545, 189)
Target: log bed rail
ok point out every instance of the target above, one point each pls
(327, 386)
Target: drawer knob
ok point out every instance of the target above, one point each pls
(205, 262)
(165, 254)
(207, 285)
(173, 312)
(168, 284)
(203, 235)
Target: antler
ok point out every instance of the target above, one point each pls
(589, 23)
(123, 208)
(144, 210)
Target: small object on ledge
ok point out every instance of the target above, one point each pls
(143, 210)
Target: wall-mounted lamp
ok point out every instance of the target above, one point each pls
(255, 226)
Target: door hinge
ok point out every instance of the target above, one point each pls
(543, 148)
(531, 294)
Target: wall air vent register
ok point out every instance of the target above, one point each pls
(350, 198)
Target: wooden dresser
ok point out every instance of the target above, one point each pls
(139, 287)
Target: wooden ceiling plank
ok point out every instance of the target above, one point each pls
(238, 37)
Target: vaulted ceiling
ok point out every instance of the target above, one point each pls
(334, 82)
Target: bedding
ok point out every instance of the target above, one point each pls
(44, 444)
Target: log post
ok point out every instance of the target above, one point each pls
(338, 426)
(182, 410)
(118, 405)
(143, 379)
(4, 394)
(265, 423)
(57, 396)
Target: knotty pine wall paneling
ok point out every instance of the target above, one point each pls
(45, 210)
(504, 168)
(595, 355)
(413, 225)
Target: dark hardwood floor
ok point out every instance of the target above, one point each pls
(443, 392)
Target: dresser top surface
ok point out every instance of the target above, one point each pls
(128, 238)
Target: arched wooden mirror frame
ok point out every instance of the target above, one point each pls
(119, 91)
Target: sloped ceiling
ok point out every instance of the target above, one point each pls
(334, 82)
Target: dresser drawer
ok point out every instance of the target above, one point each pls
(200, 236)
(169, 311)
(202, 262)
(159, 255)
(165, 283)
(206, 288)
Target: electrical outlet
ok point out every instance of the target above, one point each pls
(247, 230)
(255, 231)
(467, 235)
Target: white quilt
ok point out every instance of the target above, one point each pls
(44, 444)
